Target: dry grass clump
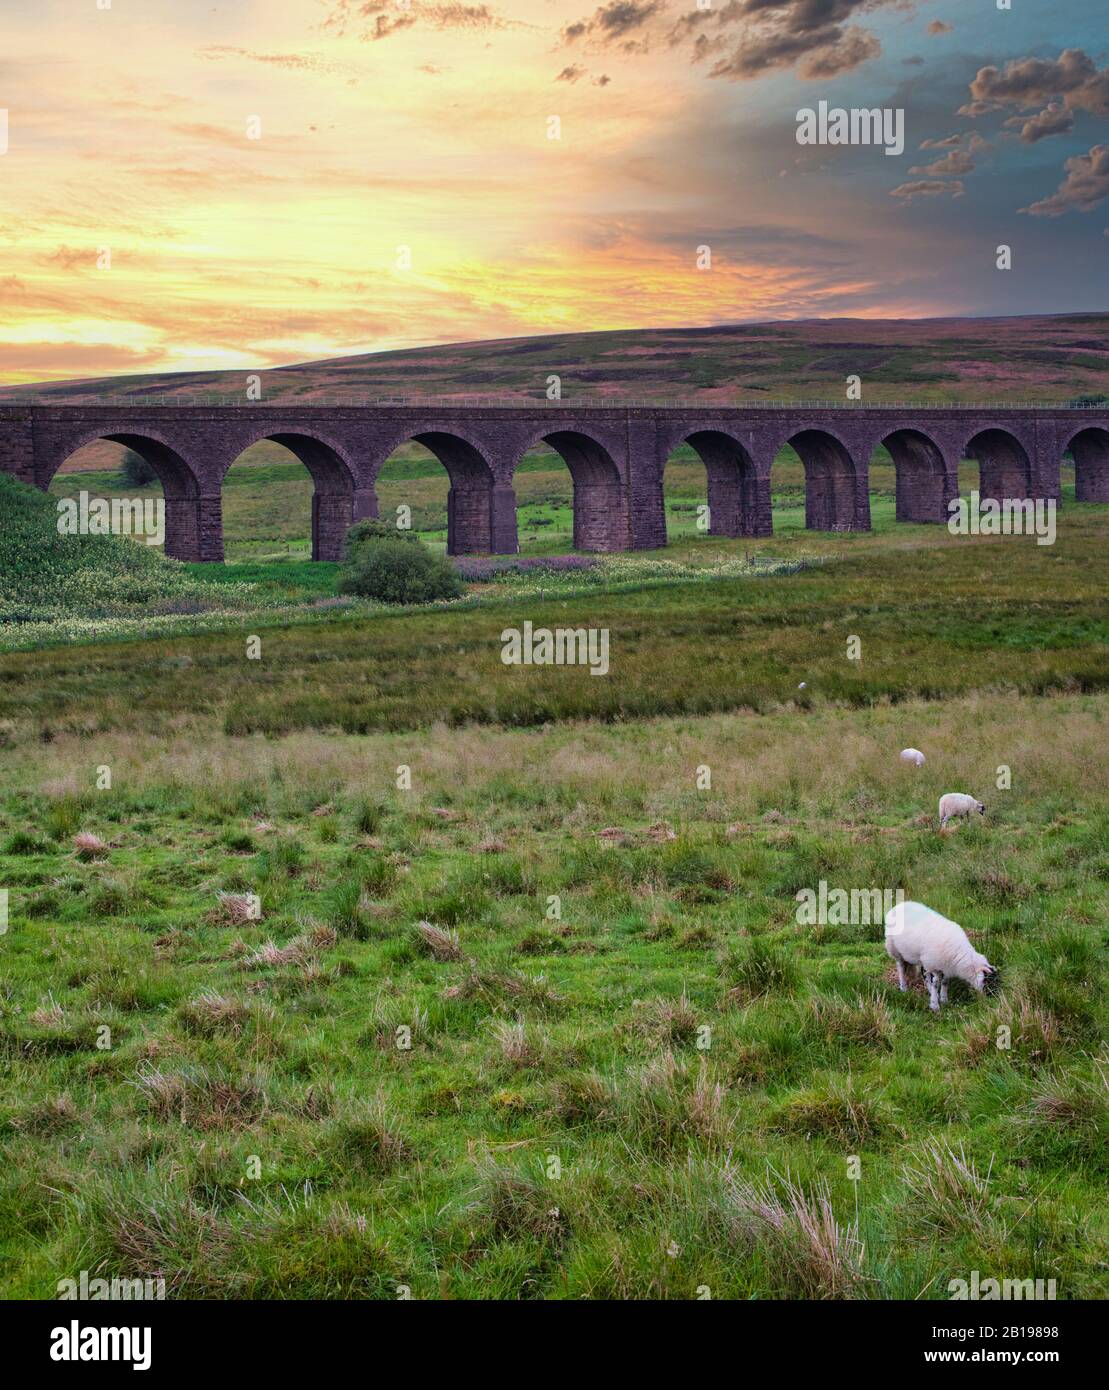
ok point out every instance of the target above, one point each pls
(1077, 1106)
(211, 1015)
(234, 909)
(949, 1192)
(49, 1014)
(301, 950)
(584, 1098)
(667, 1021)
(442, 942)
(664, 1106)
(172, 1237)
(514, 1204)
(1016, 1030)
(367, 1139)
(866, 1022)
(271, 954)
(492, 845)
(202, 1099)
(496, 988)
(49, 1116)
(516, 1047)
(808, 1252)
(836, 1112)
(89, 846)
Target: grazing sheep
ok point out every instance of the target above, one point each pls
(912, 755)
(958, 804)
(920, 938)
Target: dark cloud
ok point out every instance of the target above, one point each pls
(379, 19)
(571, 73)
(815, 36)
(956, 162)
(1030, 82)
(928, 188)
(1085, 186)
(1054, 119)
(613, 21)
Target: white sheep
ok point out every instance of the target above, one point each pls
(913, 756)
(920, 938)
(958, 804)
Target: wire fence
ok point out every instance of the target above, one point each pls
(470, 403)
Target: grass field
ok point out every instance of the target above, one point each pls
(544, 1024)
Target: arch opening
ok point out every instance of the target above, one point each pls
(1004, 469)
(135, 468)
(1090, 450)
(710, 487)
(269, 487)
(830, 483)
(920, 476)
(470, 499)
(600, 514)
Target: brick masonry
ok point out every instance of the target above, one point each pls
(616, 456)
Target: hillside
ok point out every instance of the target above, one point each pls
(1048, 358)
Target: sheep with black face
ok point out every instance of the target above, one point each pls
(959, 804)
(919, 938)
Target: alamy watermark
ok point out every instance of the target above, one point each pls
(840, 907)
(560, 646)
(1011, 516)
(113, 1290)
(976, 1289)
(77, 1343)
(858, 126)
(121, 516)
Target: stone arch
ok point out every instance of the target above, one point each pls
(471, 501)
(600, 509)
(920, 475)
(334, 482)
(186, 524)
(1004, 465)
(1089, 447)
(830, 481)
(732, 481)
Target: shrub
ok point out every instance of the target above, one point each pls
(135, 471)
(369, 530)
(394, 570)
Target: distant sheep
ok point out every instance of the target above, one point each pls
(913, 756)
(917, 937)
(958, 804)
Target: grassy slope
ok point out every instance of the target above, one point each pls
(937, 615)
(572, 1037)
(1021, 358)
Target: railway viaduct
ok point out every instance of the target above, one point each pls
(615, 452)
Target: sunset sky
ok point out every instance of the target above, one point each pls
(386, 125)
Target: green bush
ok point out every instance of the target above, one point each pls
(397, 571)
(370, 530)
(135, 471)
